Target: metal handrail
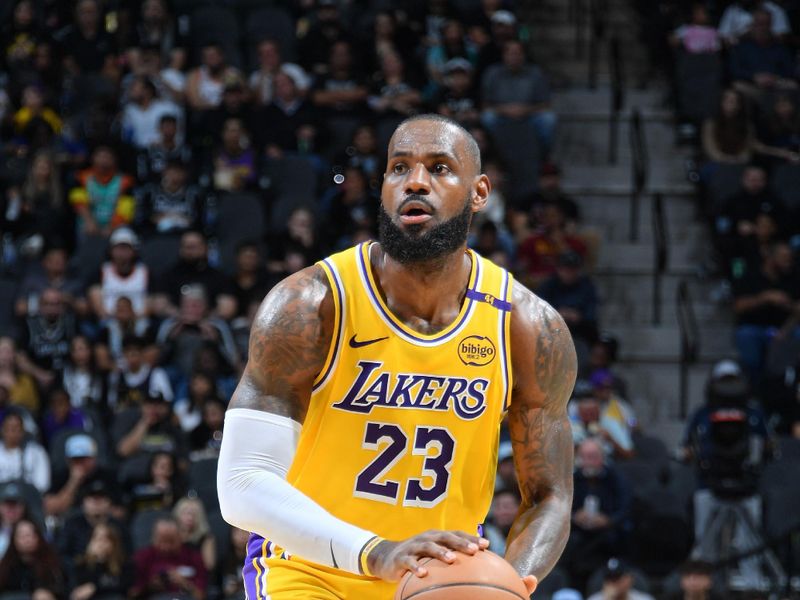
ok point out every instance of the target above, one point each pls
(640, 167)
(689, 339)
(598, 15)
(660, 252)
(617, 72)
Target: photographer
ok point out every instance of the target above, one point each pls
(728, 440)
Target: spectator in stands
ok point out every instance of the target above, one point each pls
(698, 36)
(12, 510)
(766, 305)
(96, 508)
(167, 149)
(452, 43)
(618, 583)
(22, 459)
(573, 294)
(352, 205)
(113, 330)
(173, 205)
(61, 416)
(20, 386)
(142, 114)
(393, 95)
(189, 408)
(83, 469)
(156, 29)
(288, 123)
(205, 439)
(780, 128)
(85, 46)
(601, 508)
(602, 357)
(760, 62)
(44, 341)
(51, 272)
(268, 55)
(231, 572)
(102, 200)
(235, 104)
(169, 566)
(37, 209)
(363, 152)
(318, 43)
(387, 35)
(122, 276)
(729, 137)
(504, 509)
(34, 109)
(234, 167)
(251, 281)
(205, 84)
(550, 190)
(31, 564)
(696, 582)
(166, 75)
(192, 269)
(300, 236)
(615, 406)
(136, 380)
(590, 417)
(340, 93)
(503, 29)
(739, 17)
(537, 254)
(103, 570)
(193, 527)
(181, 337)
(19, 37)
(518, 92)
(458, 98)
(148, 429)
(160, 488)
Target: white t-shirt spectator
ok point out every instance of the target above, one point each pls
(736, 21)
(29, 463)
(140, 126)
(698, 39)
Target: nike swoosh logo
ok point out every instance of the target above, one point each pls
(354, 343)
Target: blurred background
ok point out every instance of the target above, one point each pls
(164, 163)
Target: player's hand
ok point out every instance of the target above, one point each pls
(531, 583)
(389, 560)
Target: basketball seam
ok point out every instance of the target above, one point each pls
(465, 584)
(421, 563)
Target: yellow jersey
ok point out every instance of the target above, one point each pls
(402, 429)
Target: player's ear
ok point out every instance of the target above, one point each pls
(481, 189)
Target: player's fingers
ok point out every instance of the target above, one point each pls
(531, 582)
(410, 563)
(458, 540)
(435, 550)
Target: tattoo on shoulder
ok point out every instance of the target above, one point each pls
(288, 345)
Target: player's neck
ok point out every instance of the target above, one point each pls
(428, 290)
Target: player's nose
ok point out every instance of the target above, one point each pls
(419, 180)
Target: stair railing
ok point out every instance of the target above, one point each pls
(640, 168)
(660, 252)
(615, 67)
(598, 20)
(689, 339)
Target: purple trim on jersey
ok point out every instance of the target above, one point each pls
(339, 331)
(506, 366)
(249, 572)
(390, 318)
(474, 294)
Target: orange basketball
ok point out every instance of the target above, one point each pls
(483, 576)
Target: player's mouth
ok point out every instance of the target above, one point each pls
(414, 212)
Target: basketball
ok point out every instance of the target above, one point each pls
(483, 576)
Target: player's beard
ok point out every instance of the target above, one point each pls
(414, 246)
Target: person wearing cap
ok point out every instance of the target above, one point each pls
(123, 275)
(22, 459)
(573, 294)
(12, 510)
(516, 92)
(143, 111)
(614, 406)
(502, 28)
(80, 452)
(458, 98)
(102, 199)
(618, 583)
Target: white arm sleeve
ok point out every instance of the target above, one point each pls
(257, 450)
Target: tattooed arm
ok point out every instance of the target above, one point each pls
(289, 341)
(544, 364)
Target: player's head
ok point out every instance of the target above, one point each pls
(432, 185)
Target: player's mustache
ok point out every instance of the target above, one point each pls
(417, 198)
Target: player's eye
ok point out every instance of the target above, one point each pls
(441, 169)
(399, 168)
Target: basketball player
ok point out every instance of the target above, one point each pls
(363, 435)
